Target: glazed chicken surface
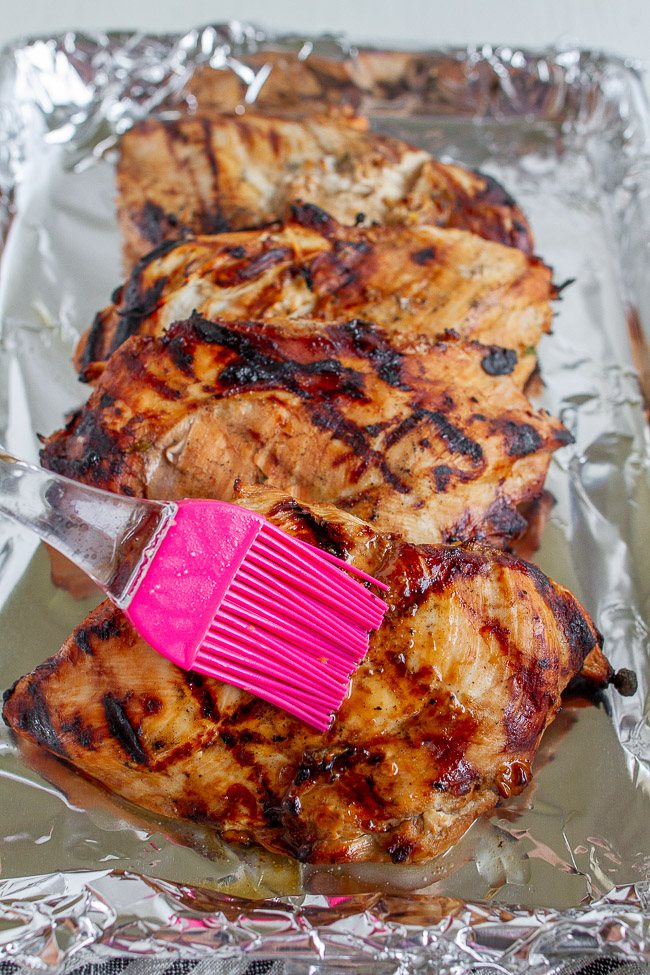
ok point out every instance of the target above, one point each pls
(191, 176)
(443, 717)
(426, 439)
(417, 280)
(334, 330)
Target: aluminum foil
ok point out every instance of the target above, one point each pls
(564, 869)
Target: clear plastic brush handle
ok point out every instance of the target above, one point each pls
(105, 534)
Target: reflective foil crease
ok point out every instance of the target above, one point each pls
(563, 870)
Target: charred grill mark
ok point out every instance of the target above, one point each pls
(498, 361)
(83, 636)
(504, 519)
(426, 570)
(373, 344)
(453, 436)
(249, 708)
(339, 280)
(329, 767)
(34, 718)
(352, 247)
(141, 374)
(306, 275)
(306, 380)
(488, 211)
(202, 694)
(323, 533)
(394, 479)
(442, 475)
(82, 735)
(184, 750)
(359, 790)
(252, 268)
(494, 193)
(136, 306)
(354, 436)
(151, 222)
(209, 218)
(105, 401)
(520, 439)
(238, 252)
(122, 730)
(93, 350)
(346, 431)
(405, 426)
(455, 439)
(208, 153)
(506, 224)
(6, 694)
(314, 218)
(267, 802)
(260, 364)
(424, 256)
(181, 351)
(101, 460)
(458, 776)
(580, 637)
(213, 221)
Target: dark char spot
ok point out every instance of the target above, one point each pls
(521, 439)
(323, 533)
(399, 849)
(110, 627)
(424, 256)
(499, 362)
(122, 730)
(312, 216)
(35, 721)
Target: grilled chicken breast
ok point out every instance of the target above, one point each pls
(443, 717)
(415, 280)
(426, 439)
(196, 176)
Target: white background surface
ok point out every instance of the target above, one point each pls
(615, 26)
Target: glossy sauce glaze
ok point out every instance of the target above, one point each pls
(443, 717)
(421, 439)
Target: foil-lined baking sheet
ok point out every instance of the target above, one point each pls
(563, 869)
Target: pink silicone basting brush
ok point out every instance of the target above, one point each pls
(212, 586)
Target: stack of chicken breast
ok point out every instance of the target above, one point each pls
(333, 328)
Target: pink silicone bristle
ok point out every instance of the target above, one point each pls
(259, 671)
(339, 634)
(272, 531)
(257, 608)
(225, 631)
(295, 560)
(313, 710)
(304, 659)
(289, 581)
(299, 613)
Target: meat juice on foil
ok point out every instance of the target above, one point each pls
(565, 864)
